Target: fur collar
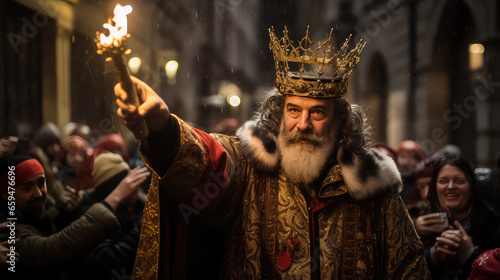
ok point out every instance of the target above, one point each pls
(365, 175)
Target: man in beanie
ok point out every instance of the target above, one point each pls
(117, 252)
(108, 170)
(30, 191)
(45, 250)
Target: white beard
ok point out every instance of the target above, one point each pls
(303, 162)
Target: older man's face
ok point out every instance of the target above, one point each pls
(308, 115)
(307, 137)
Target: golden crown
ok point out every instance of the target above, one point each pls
(321, 72)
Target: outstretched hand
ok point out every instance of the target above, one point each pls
(152, 108)
(128, 186)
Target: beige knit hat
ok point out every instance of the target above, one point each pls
(107, 165)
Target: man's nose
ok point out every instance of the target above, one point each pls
(37, 192)
(304, 122)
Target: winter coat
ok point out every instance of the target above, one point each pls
(44, 252)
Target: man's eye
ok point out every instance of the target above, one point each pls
(318, 114)
(41, 183)
(294, 112)
(24, 189)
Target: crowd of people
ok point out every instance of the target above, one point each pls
(454, 208)
(78, 209)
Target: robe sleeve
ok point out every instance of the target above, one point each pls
(199, 171)
(402, 253)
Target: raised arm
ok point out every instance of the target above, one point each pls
(163, 139)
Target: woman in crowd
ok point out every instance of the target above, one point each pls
(113, 143)
(69, 160)
(473, 229)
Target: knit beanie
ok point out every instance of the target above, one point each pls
(47, 135)
(106, 166)
(21, 168)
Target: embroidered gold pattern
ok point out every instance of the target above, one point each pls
(186, 170)
(357, 241)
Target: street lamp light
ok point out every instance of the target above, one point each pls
(134, 64)
(171, 71)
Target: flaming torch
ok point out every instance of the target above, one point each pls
(114, 47)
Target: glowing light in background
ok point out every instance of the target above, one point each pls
(171, 71)
(476, 56)
(476, 48)
(231, 92)
(134, 64)
(234, 100)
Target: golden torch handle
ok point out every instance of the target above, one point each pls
(140, 130)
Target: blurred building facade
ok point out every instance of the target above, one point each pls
(428, 72)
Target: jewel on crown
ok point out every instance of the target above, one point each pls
(304, 71)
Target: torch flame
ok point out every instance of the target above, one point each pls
(117, 32)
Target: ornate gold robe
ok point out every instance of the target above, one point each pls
(356, 227)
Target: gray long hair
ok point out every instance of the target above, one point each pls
(353, 134)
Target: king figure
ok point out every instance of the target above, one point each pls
(296, 194)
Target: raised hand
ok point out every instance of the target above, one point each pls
(430, 224)
(152, 108)
(128, 186)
